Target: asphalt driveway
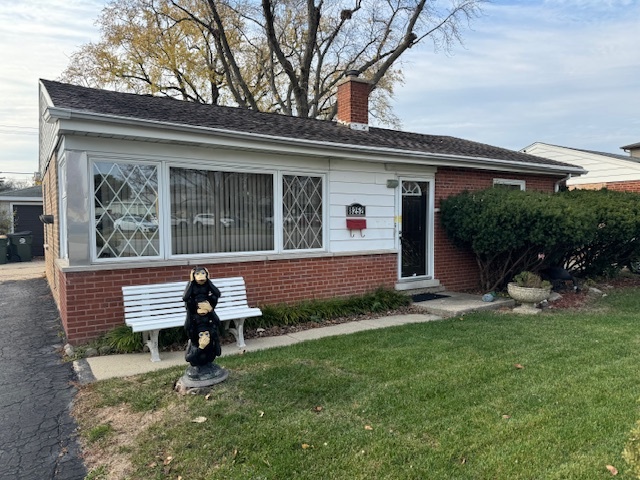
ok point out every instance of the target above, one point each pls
(37, 432)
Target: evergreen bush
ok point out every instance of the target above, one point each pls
(589, 232)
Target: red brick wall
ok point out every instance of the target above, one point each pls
(630, 186)
(353, 101)
(92, 301)
(633, 186)
(457, 270)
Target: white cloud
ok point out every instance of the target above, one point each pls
(37, 37)
(557, 71)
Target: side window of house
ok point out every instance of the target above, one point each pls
(126, 210)
(219, 211)
(509, 183)
(302, 198)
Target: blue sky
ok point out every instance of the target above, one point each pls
(558, 71)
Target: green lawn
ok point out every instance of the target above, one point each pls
(485, 396)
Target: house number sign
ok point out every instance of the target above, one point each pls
(356, 210)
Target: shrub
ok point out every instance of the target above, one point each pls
(509, 231)
(318, 310)
(5, 221)
(172, 337)
(123, 340)
(613, 231)
(530, 280)
(591, 233)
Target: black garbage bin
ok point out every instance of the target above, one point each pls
(4, 249)
(20, 246)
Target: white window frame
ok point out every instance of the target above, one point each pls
(279, 200)
(165, 205)
(511, 182)
(123, 160)
(62, 209)
(164, 212)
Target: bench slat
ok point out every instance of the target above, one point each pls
(143, 305)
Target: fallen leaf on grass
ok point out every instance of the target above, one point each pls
(317, 408)
(368, 427)
(518, 366)
(207, 396)
(168, 460)
(506, 417)
(199, 420)
(305, 446)
(613, 470)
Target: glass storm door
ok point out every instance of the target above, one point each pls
(413, 237)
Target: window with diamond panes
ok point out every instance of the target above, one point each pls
(126, 210)
(301, 212)
(215, 211)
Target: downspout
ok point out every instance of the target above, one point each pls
(556, 188)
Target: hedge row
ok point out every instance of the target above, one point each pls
(589, 232)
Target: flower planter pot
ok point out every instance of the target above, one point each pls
(528, 297)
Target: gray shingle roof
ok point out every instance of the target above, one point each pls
(162, 109)
(23, 192)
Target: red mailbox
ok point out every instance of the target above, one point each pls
(356, 223)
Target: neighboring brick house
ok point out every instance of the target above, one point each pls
(142, 188)
(605, 170)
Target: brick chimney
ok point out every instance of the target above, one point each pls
(353, 102)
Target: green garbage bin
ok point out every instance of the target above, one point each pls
(20, 246)
(4, 249)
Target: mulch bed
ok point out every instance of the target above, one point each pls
(581, 299)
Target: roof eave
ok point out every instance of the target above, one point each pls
(633, 146)
(69, 117)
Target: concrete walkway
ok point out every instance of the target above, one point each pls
(455, 304)
(124, 365)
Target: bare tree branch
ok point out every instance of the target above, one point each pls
(274, 55)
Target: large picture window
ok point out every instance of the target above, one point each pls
(126, 210)
(209, 211)
(216, 211)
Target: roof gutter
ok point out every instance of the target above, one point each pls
(407, 156)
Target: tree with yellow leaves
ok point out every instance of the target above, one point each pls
(283, 56)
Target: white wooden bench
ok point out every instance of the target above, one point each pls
(150, 308)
